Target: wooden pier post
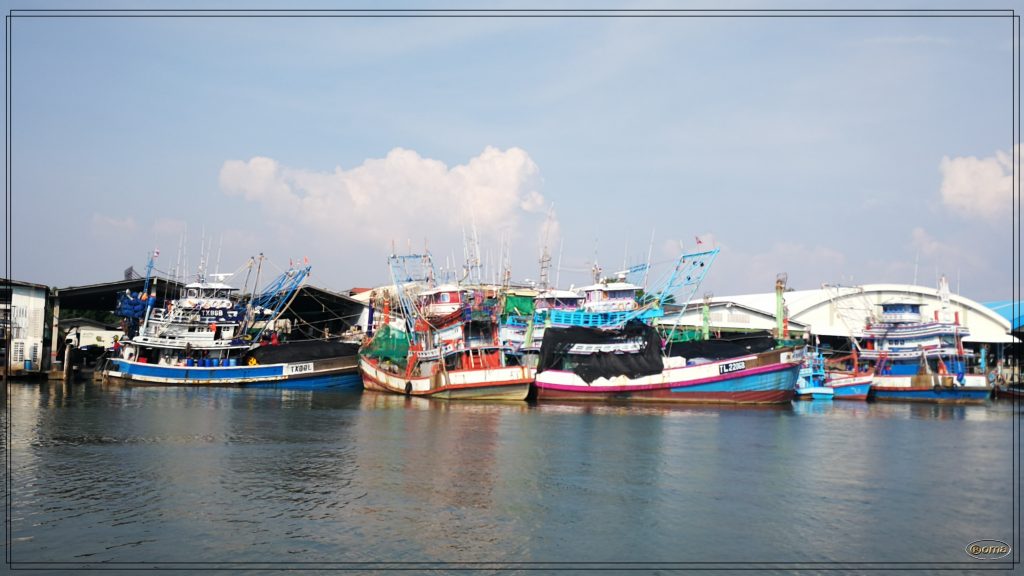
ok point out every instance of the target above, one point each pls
(55, 327)
(69, 370)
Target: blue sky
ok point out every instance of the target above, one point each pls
(838, 150)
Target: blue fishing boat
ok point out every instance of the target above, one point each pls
(843, 376)
(212, 335)
(921, 360)
(847, 376)
(811, 382)
(849, 385)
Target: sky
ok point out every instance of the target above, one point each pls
(835, 150)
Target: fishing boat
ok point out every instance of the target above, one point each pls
(605, 304)
(436, 350)
(629, 363)
(1008, 392)
(526, 314)
(921, 360)
(811, 381)
(629, 360)
(211, 335)
(846, 377)
(849, 385)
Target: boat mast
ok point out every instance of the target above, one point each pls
(249, 312)
(558, 268)
(650, 250)
(545, 256)
(145, 287)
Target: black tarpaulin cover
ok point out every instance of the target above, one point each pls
(721, 348)
(634, 364)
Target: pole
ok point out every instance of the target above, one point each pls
(55, 328)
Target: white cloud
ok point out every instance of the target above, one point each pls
(925, 243)
(398, 197)
(938, 252)
(979, 187)
(738, 271)
(170, 227)
(107, 226)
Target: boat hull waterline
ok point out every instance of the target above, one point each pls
(327, 373)
(850, 388)
(926, 389)
(504, 383)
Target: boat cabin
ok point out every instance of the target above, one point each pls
(901, 312)
(207, 295)
(557, 300)
(441, 301)
(904, 343)
(610, 297)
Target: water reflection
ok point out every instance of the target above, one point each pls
(653, 409)
(900, 410)
(439, 471)
(123, 473)
(832, 408)
(373, 400)
(135, 470)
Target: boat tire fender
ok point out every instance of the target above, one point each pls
(408, 388)
(936, 388)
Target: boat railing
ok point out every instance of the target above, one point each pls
(579, 318)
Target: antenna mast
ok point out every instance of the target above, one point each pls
(558, 269)
(506, 263)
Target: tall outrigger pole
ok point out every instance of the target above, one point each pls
(689, 271)
(406, 271)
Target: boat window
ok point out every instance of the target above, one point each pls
(192, 293)
(445, 297)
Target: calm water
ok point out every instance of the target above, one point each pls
(182, 475)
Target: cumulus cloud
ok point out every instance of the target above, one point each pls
(169, 227)
(939, 251)
(754, 269)
(979, 186)
(925, 243)
(400, 196)
(107, 226)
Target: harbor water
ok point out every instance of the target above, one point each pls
(176, 477)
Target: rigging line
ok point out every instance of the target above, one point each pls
(275, 266)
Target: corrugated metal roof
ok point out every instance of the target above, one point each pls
(1006, 309)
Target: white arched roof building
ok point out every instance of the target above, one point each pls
(843, 311)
